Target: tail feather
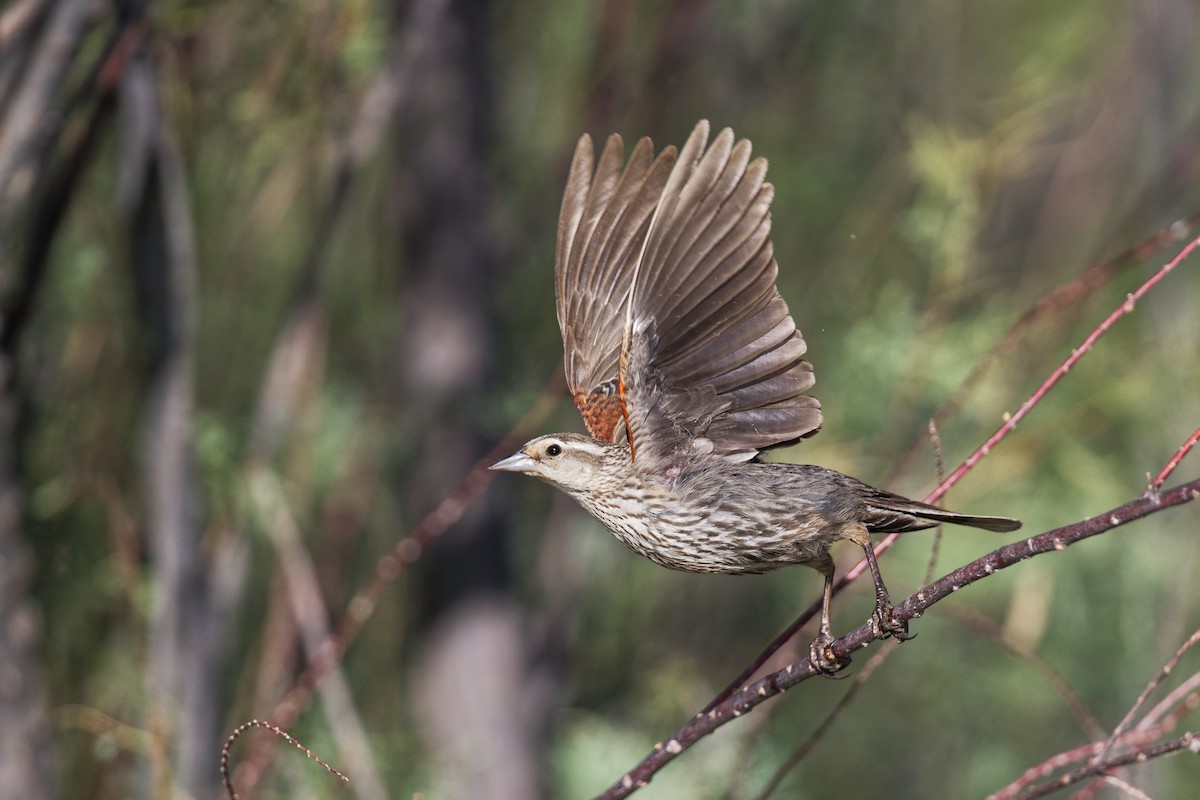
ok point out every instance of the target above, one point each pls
(894, 514)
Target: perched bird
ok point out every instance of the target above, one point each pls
(685, 364)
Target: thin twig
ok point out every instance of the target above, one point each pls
(1135, 739)
(1183, 700)
(1093, 278)
(1011, 422)
(1189, 741)
(1154, 683)
(1173, 462)
(258, 723)
(936, 441)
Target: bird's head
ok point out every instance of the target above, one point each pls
(571, 462)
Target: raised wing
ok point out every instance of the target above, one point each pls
(711, 361)
(601, 231)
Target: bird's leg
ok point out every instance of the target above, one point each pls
(882, 618)
(819, 654)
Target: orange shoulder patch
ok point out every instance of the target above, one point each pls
(601, 409)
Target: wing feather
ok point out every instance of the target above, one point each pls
(605, 214)
(671, 321)
(711, 358)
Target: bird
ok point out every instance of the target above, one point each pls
(686, 365)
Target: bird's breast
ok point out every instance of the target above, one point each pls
(683, 531)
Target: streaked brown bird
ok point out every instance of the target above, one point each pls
(685, 364)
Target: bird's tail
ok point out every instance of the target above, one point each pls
(892, 513)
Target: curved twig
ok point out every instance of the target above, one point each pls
(258, 723)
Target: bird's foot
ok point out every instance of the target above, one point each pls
(884, 622)
(823, 660)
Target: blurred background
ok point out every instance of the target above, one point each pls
(276, 275)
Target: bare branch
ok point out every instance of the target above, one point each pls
(1154, 683)
(1011, 422)
(1173, 462)
(1065, 296)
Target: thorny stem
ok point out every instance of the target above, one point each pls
(914, 606)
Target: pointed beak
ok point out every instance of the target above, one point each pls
(517, 462)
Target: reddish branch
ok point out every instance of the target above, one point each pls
(1189, 741)
(1065, 296)
(1170, 466)
(1057, 375)
(912, 607)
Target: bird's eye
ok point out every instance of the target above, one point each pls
(554, 450)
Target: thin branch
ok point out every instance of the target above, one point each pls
(1189, 741)
(1173, 462)
(1071, 293)
(935, 439)
(1155, 724)
(1175, 706)
(1135, 739)
(912, 607)
(1154, 683)
(1076, 354)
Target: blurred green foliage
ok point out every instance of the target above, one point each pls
(939, 168)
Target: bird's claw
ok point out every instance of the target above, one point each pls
(884, 622)
(823, 660)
